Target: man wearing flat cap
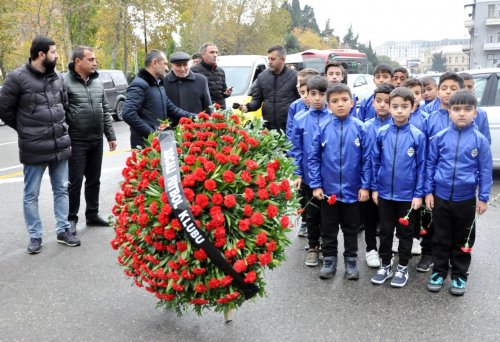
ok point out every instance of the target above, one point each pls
(186, 89)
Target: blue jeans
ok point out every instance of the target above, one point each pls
(58, 171)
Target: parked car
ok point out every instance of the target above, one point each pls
(115, 86)
(487, 91)
(361, 85)
(241, 71)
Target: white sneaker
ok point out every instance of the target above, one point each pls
(372, 259)
(395, 244)
(416, 249)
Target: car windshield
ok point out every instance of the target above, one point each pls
(238, 77)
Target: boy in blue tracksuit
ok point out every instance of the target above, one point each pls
(398, 162)
(382, 74)
(418, 115)
(303, 127)
(459, 165)
(335, 73)
(299, 105)
(368, 209)
(339, 168)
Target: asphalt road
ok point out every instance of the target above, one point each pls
(81, 294)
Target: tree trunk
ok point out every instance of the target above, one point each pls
(117, 37)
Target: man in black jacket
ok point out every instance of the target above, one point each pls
(32, 101)
(275, 89)
(186, 89)
(88, 117)
(216, 76)
(147, 102)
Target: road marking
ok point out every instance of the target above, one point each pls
(11, 167)
(9, 143)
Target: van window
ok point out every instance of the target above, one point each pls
(106, 80)
(119, 78)
(238, 77)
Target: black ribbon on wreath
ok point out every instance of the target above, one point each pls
(181, 209)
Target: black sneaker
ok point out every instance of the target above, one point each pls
(69, 239)
(97, 221)
(35, 246)
(329, 267)
(351, 268)
(425, 264)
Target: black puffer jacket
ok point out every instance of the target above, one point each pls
(216, 81)
(146, 104)
(275, 93)
(33, 104)
(88, 111)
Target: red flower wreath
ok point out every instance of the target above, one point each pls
(235, 178)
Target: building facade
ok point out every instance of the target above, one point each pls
(483, 23)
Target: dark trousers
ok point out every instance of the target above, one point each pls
(452, 221)
(390, 212)
(312, 216)
(347, 216)
(369, 218)
(86, 160)
(426, 243)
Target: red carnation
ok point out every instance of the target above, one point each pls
(404, 221)
(274, 189)
(251, 259)
(240, 244)
(199, 174)
(200, 288)
(200, 254)
(228, 176)
(198, 270)
(209, 166)
(251, 165)
(247, 210)
(190, 159)
(257, 219)
(181, 246)
(221, 158)
(234, 158)
(466, 248)
(169, 234)
(198, 301)
(285, 221)
(246, 176)
(217, 199)
(272, 211)
(261, 239)
(240, 266)
(261, 181)
(250, 277)
(230, 253)
(214, 283)
(202, 200)
(229, 201)
(226, 281)
(332, 199)
(423, 231)
(210, 185)
(263, 194)
(271, 246)
(248, 194)
(244, 225)
(265, 258)
(196, 210)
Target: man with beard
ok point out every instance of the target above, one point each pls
(216, 76)
(89, 119)
(186, 89)
(32, 101)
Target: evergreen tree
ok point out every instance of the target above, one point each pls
(438, 62)
(308, 19)
(350, 41)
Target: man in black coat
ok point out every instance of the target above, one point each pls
(186, 89)
(89, 119)
(33, 101)
(275, 89)
(147, 102)
(216, 76)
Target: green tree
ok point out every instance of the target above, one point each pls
(387, 60)
(438, 62)
(350, 40)
(308, 19)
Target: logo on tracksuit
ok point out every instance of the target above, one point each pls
(356, 142)
(410, 152)
(474, 153)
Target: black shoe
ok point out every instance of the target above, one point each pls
(425, 264)
(97, 221)
(72, 227)
(351, 268)
(67, 238)
(35, 246)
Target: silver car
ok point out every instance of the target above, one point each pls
(487, 91)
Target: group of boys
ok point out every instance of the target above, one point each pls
(394, 166)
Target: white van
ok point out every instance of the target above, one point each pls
(241, 71)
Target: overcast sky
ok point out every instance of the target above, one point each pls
(399, 20)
